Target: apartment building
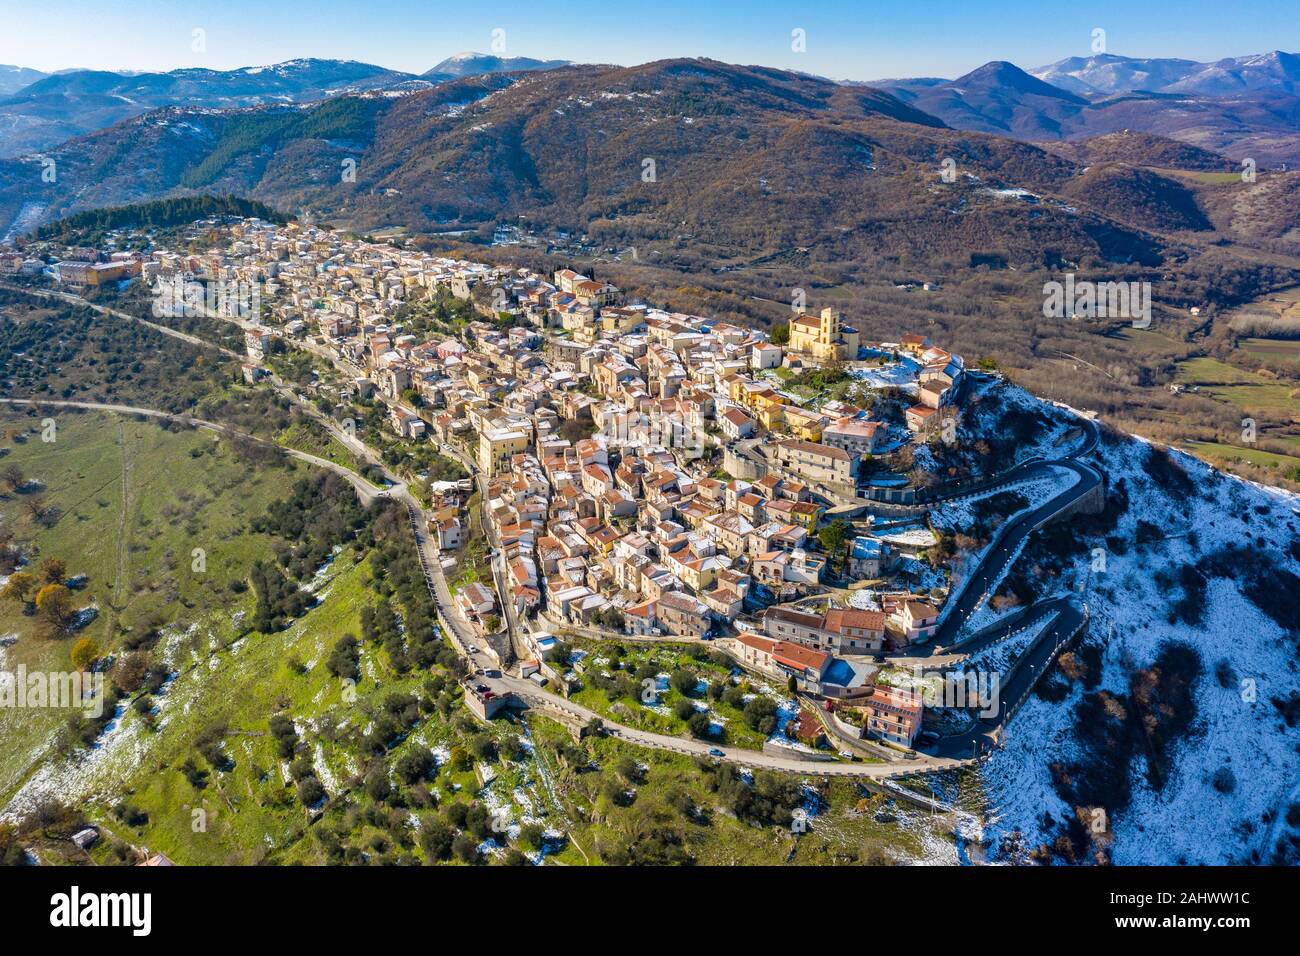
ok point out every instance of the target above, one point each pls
(497, 446)
(892, 714)
(819, 463)
(679, 613)
(782, 660)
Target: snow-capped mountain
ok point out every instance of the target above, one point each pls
(66, 104)
(1106, 74)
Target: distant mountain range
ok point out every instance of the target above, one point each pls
(476, 64)
(998, 97)
(744, 162)
(1105, 75)
(14, 78)
(38, 111)
(1248, 107)
(1243, 107)
(757, 161)
(57, 107)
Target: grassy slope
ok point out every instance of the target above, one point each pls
(1230, 453)
(134, 504)
(169, 503)
(250, 811)
(844, 830)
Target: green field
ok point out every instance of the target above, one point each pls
(1229, 453)
(249, 811)
(1204, 370)
(1265, 402)
(1255, 394)
(1287, 350)
(135, 501)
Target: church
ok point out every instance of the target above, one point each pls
(824, 337)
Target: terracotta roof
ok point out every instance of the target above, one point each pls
(813, 448)
(839, 618)
(800, 657)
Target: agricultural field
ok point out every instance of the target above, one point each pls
(1283, 350)
(1210, 372)
(1218, 452)
(1272, 403)
(1253, 373)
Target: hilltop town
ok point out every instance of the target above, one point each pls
(845, 528)
(639, 473)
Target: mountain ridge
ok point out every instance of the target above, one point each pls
(62, 105)
(460, 65)
(754, 159)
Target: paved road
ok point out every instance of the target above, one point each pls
(950, 752)
(1066, 619)
(978, 585)
(365, 490)
(104, 310)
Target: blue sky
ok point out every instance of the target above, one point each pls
(867, 39)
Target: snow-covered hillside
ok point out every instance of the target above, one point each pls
(1172, 732)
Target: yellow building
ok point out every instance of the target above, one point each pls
(621, 321)
(806, 515)
(824, 337)
(764, 400)
(803, 424)
(772, 417)
(497, 446)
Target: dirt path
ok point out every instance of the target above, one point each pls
(117, 604)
